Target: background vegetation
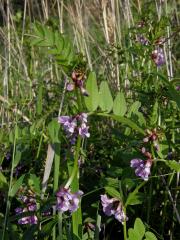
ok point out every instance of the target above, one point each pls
(42, 43)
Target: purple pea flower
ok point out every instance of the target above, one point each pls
(83, 131)
(67, 201)
(119, 214)
(141, 39)
(158, 57)
(178, 88)
(28, 220)
(18, 210)
(82, 117)
(31, 206)
(70, 87)
(68, 122)
(74, 126)
(142, 168)
(113, 206)
(107, 204)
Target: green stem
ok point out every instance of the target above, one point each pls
(124, 226)
(54, 228)
(8, 205)
(78, 100)
(75, 168)
(56, 168)
(55, 187)
(150, 189)
(60, 225)
(40, 143)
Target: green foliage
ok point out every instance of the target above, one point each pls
(138, 232)
(119, 105)
(92, 101)
(53, 130)
(57, 45)
(16, 186)
(173, 165)
(150, 236)
(154, 116)
(3, 181)
(113, 192)
(139, 226)
(134, 198)
(105, 97)
(128, 94)
(17, 158)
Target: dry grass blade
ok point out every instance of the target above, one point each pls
(47, 170)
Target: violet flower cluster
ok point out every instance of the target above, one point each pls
(113, 206)
(158, 57)
(78, 82)
(142, 168)
(67, 201)
(141, 39)
(74, 126)
(30, 206)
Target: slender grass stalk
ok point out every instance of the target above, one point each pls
(40, 143)
(8, 204)
(54, 228)
(124, 226)
(55, 186)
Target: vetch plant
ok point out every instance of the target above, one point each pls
(113, 206)
(67, 201)
(142, 168)
(118, 114)
(158, 57)
(74, 126)
(30, 206)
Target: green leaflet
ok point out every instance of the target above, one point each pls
(154, 115)
(138, 232)
(3, 181)
(16, 186)
(139, 227)
(58, 45)
(150, 236)
(91, 86)
(34, 182)
(134, 111)
(134, 108)
(124, 121)
(119, 105)
(173, 165)
(105, 97)
(17, 158)
(134, 198)
(133, 235)
(113, 192)
(53, 130)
